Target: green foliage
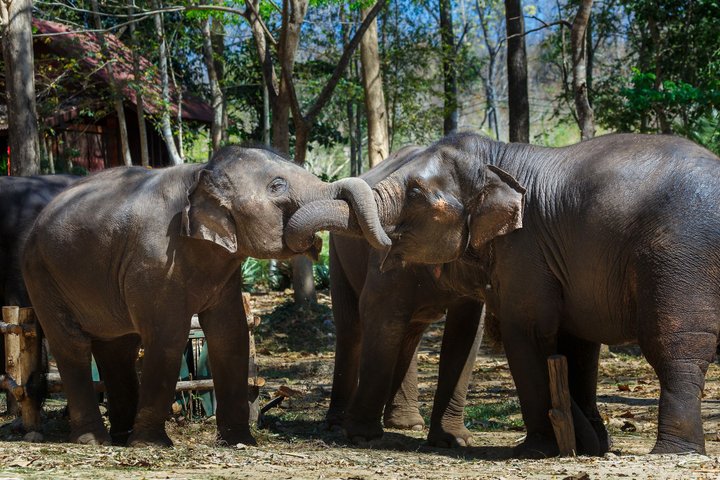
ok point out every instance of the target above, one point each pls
(634, 103)
(494, 416)
(277, 275)
(672, 84)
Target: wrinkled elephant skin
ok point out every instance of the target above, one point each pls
(379, 320)
(128, 255)
(612, 240)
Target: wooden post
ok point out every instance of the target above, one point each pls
(22, 361)
(254, 382)
(560, 414)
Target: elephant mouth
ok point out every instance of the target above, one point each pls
(312, 249)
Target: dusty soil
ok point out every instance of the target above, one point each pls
(296, 351)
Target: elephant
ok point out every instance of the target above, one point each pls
(379, 320)
(611, 240)
(21, 200)
(128, 255)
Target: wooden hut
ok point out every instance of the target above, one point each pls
(77, 113)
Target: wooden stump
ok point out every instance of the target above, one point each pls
(254, 382)
(22, 361)
(560, 414)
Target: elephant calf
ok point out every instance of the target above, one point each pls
(612, 240)
(380, 318)
(129, 255)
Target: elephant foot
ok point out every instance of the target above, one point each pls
(230, 438)
(92, 438)
(536, 446)
(604, 439)
(120, 438)
(359, 432)
(444, 437)
(676, 445)
(334, 419)
(403, 419)
(149, 439)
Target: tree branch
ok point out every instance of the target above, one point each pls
(563, 23)
(327, 91)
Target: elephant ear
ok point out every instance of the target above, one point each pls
(207, 215)
(499, 207)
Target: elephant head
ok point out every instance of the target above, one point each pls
(445, 199)
(242, 199)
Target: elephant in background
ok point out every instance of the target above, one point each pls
(21, 200)
(380, 319)
(129, 255)
(611, 240)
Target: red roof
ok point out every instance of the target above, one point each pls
(85, 46)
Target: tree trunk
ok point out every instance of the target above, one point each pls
(490, 75)
(378, 146)
(518, 105)
(165, 124)
(585, 117)
(20, 87)
(115, 87)
(139, 100)
(217, 102)
(450, 88)
(217, 39)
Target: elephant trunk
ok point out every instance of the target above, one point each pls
(365, 216)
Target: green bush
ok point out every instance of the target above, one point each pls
(277, 275)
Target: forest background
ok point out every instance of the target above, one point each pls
(338, 85)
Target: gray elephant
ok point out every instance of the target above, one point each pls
(129, 255)
(379, 320)
(21, 200)
(612, 240)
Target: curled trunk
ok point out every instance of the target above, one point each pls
(360, 215)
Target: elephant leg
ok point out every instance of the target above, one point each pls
(164, 335)
(71, 349)
(527, 350)
(348, 340)
(385, 332)
(226, 331)
(116, 361)
(583, 357)
(678, 336)
(461, 340)
(401, 409)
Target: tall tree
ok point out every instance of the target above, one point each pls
(165, 123)
(138, 85)
(450, 84)
(578, 42)
(283, 98)
(115, 87)
(493, 36)
(375, 110)
(16, 17)
(518, 104)
(214, 77)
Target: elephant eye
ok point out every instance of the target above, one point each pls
(415, 192)
(277, 186)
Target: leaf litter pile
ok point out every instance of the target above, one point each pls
(295, 356)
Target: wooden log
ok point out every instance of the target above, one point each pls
(560, 414)
(9, 328)
(254, 381)
(22, 361)
(55, 384)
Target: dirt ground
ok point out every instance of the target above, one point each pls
(295, 350)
